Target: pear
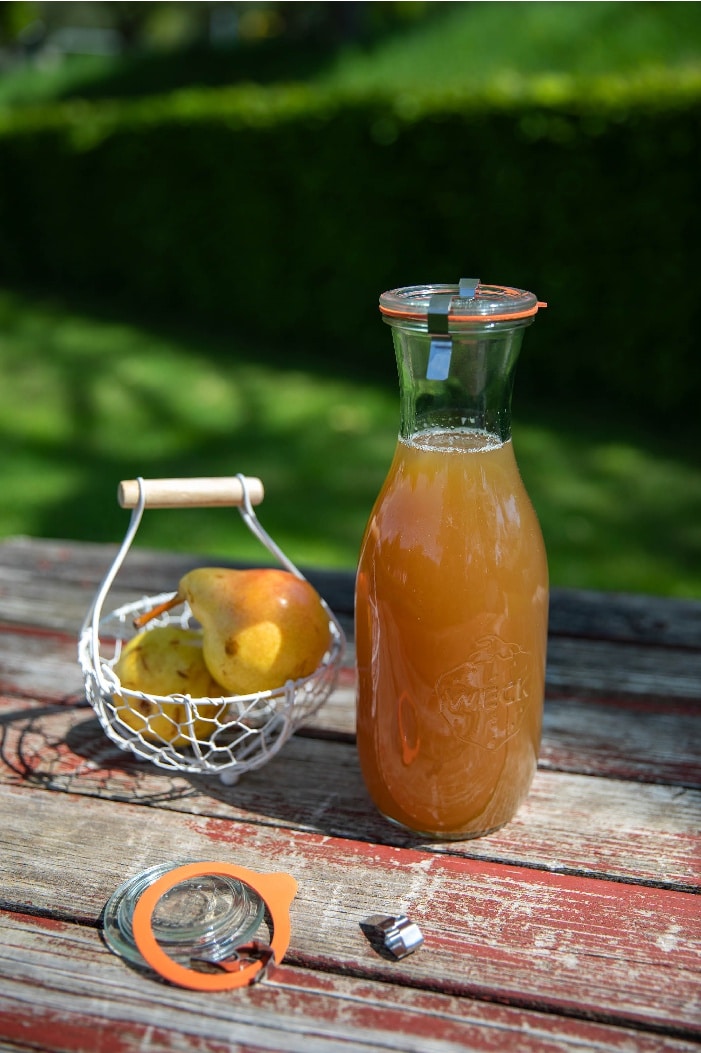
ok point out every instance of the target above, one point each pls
(167, 660)
(261, 627)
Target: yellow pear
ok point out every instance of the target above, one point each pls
(167, 660)
(261, 627)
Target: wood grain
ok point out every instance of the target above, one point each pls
(645, 833)
(652, 735)
(619, 617)
(576, 927)
(72, 995)
(507, 934)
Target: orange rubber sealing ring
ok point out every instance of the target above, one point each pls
(277, 892)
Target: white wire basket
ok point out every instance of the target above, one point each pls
(242, 732)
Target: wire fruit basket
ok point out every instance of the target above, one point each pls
(227, 735)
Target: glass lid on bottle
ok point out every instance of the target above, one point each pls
(440, 306)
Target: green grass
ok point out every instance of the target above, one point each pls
(87, 400)
(490, 44)
(444, 46)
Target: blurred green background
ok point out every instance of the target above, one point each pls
(342, 149)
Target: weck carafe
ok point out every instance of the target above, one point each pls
(452, 583)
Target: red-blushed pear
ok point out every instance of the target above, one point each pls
(261, 627)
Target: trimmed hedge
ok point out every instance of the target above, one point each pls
(283, 213)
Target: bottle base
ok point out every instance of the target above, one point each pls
(444, 835)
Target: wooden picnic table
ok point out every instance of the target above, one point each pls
(575, 927)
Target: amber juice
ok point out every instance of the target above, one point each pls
(451, 626)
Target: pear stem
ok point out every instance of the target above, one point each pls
(160, 608)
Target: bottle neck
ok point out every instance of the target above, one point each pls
(462, 381)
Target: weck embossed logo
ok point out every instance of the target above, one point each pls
(484, 699)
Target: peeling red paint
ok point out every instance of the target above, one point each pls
(68, 1032)
(535, 953)
(39, 632)
(43, 922)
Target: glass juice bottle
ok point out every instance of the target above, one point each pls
(452, 584)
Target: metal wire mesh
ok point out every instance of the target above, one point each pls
(227, 736)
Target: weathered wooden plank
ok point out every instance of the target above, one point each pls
(570, 823)
(654, 620)
(61, 990)
(597, 667)
(583, 668)
(652, 737)
(626, 617)
(625, 685)
(71, 564)
(513, 935)
(629, 741)
(34, 656)
(34, 597)
(577, 667)
(40, 662)
(44, 663)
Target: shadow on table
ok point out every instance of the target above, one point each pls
(310, 785)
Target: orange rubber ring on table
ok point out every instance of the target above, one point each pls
(277, 892)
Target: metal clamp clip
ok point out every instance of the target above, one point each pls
(245, 954)
(438, 315)
(399, 935)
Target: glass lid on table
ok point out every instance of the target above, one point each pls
(209, 915)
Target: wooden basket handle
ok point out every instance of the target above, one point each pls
(211, 492)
